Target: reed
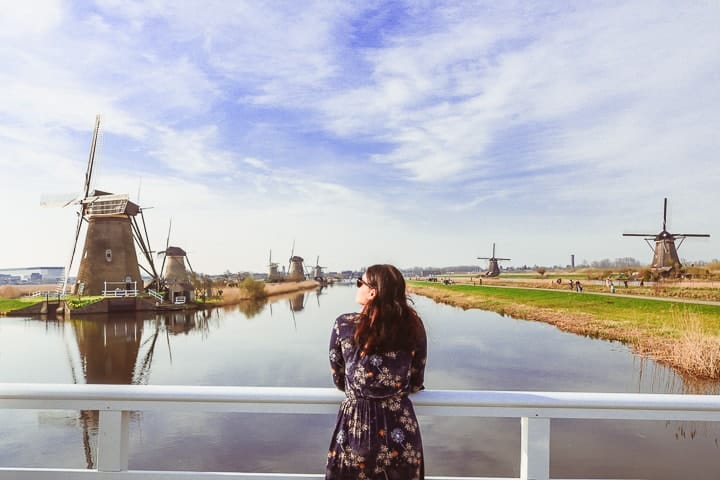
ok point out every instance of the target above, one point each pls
(8, 291)
(695, 352)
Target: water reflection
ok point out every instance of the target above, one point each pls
(285, 344)
(119, 349)
(297, 301)
(252, 308)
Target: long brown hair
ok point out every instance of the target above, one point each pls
(388, 322)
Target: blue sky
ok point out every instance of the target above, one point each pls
(416, 133)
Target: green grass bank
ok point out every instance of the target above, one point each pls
(684, 336)
(9, 305)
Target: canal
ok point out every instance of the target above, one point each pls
(284, 343)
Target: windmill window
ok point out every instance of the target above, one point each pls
(108, 255)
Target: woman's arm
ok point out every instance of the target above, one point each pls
(417, 367)
(337, 361)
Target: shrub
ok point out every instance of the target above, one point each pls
(254, 288)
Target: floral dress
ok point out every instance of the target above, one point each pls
(377, 436)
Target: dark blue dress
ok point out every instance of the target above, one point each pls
(377, 436)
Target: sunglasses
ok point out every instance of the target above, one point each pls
(360, 282)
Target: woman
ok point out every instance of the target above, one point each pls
(377, 357)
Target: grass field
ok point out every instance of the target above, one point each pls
(685, 336)
(8, 305)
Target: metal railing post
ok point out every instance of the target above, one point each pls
(113, 436)
(535, 449)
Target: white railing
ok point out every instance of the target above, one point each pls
(156, 295)
(120, 292)
(534, 409)
(47, 293)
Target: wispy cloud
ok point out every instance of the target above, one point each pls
(370, 128)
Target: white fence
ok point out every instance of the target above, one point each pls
(129, 289)
(534, 409)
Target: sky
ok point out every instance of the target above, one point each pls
(416, 133)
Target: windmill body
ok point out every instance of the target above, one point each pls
(273, 274)
(296, 272)
(666, 260)
(493, 266)
(109, 253)
(177, 280)
(318, 271)
(297, 302)
(665, 255)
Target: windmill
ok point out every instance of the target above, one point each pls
(296, 272)
(493, 268)
(318, 273)
(273, 274)
(109, 256)
(665, 257)
(175, 274)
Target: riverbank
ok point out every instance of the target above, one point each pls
(230, 296)
(684, 336)
(233, 295)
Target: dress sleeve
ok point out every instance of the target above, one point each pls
(337, 361)
(417, 368)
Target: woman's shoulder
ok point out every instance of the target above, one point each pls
(346, 321)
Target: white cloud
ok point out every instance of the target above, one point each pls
(256, 163)
(192, 151)
(419, 139)
(27, 19)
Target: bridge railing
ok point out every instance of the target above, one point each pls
(534, 409)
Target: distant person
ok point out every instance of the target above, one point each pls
(377, 357)
(578, 287)
(572, 285)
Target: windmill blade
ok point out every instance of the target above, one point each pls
(292, 254)
(502, 259)
(167, 336)
(483, 258)
(493, 250)
(58, 200)
(270, 258)
(293, 315)
(167, 245)
(697, 235)
(91, 157)
(144, 244)
(189, 265)
(664, 213)
(651, 235)
(149, 252)
(72, 255)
